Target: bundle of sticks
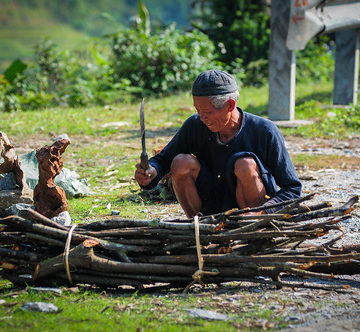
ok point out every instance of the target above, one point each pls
(229, 246)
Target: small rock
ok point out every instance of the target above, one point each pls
(40, 306)
(293, 319)
(61, 137)
(207, 314)
(11, 197)
(8, 182)
(46, 289)
(63, 218)
(19, 209)
(115, 212)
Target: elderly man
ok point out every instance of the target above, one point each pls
(223, 157)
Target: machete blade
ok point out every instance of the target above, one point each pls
(144, 163)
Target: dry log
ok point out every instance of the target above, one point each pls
(82, 256)
(44, 220)
(119, 223)
(234, 259)
(342, 210)
(139, 252)
(20, 255)
(220, 238)
(306, 208)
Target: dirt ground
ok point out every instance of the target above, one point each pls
(318, 309)
(314, 309)
(338, 311)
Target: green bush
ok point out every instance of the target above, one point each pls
(345, 117)
(101, 73)
(240, 29)
(8, 99)
(316, 61)
(68, 79)
(161, 63)
(256, 73)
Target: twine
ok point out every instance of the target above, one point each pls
(199, 273)
(66, 254)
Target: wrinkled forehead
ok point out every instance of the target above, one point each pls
(202, 102)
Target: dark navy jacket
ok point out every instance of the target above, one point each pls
(256, 135)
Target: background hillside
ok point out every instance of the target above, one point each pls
(70, 22)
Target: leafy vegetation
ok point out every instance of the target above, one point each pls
(241, 33)
(129, 310)
(143, 60)
(139, 62)
(241, 29)
(316, 61)
(163, 63)
(330, 122)
(131, 63)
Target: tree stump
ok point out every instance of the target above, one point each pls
(50, 199)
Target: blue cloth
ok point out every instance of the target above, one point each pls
(257, 136)
(219, 193)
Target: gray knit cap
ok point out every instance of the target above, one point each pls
(214, 82)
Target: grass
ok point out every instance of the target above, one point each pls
(316, 162)
(87, 310)
(105, 155)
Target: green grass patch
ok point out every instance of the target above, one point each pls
(132, 311)
(316, 162)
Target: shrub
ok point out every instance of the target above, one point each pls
(316, 61)
(165, 62)
(8, 99)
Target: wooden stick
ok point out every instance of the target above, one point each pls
(44, 220)
(82, 256)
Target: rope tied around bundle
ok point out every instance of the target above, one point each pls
(66, 254)
(199, 273)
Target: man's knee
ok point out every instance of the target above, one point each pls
(246, 167)
(184, 165)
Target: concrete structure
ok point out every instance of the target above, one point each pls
(293, 24)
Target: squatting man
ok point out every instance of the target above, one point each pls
(222, 157)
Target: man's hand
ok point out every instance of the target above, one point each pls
(144, 177)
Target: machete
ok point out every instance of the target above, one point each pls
(144, 162)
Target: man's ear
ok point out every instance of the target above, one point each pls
(232, 104)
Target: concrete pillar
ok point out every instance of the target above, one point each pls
(281, 65)
(346, 67)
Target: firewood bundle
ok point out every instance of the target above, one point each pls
(230, 246)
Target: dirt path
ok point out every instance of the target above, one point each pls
(330, 311)
(312, 309)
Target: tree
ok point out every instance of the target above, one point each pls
(239, 28)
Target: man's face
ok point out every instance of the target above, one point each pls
(215, 119)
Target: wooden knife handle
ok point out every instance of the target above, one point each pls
(144, 161)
